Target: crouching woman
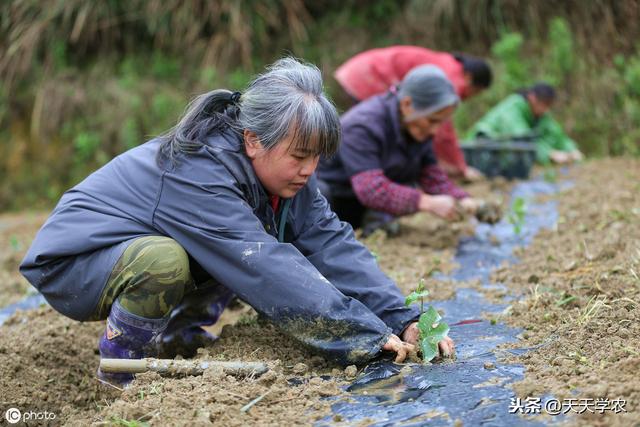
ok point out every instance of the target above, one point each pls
(158, 240)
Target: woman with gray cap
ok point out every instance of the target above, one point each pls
(385, 165)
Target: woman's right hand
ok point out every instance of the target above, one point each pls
(441, 205)
(401, 348)
(559, 157)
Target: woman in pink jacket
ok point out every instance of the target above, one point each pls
(377, 70)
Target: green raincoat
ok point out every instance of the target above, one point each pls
(513, 118)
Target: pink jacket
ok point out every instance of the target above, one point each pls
(374, 71)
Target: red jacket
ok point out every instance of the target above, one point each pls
(373, 71)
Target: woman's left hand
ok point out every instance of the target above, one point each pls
(411, 335)
(469, 205)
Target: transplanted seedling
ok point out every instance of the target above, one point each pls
(550, 174)
(432, 331)
(517, 213)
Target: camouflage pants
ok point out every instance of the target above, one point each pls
(150, 279)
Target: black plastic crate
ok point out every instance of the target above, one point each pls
(510, 158)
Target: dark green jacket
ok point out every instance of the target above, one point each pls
(513, 118)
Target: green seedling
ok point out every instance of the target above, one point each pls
(14, 243)
(566, 300)
(431, 329)
(517, 213)
(550, 174)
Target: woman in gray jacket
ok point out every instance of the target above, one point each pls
(158, 240)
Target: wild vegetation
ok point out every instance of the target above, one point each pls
(85, 80)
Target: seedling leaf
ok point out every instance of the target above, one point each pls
(439, 333)
(415, 296)
(428, 318)
(517, 214)
(429, 350)
(431, 333)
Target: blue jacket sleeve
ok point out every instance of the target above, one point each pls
(218, 228)
(332, 248)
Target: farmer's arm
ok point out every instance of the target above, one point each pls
(434, 181)
(552, 138)
(220, 231)
(360, 154)
(331, 247)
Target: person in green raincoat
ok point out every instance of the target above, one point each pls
(525, 114)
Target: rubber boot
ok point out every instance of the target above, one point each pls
(128, 336)
(184, 334)
(374, 220)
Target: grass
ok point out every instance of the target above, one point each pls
(118, 73)
(117, 421)
(591, 310)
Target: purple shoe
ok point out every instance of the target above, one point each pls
(184, 334)
(127, 336)
(184, 342)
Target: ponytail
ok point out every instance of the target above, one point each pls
(211, 111)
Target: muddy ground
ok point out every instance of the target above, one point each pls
(579, 285)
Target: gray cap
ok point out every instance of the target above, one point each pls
(429, 89)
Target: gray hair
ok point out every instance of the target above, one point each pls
(429, 89)
(287, 100)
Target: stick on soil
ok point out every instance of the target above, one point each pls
(181, 367)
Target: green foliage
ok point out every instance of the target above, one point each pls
(432, 331)
(164, 67)
(4, 106)
(517, 214)
(59, 55)
(419, 294)
(208, 77)
(238, 79)
(631, 75)
(86, 145)
(507, 50)
(561, 61)
(165, 110)
(112, 74)
(130, 133)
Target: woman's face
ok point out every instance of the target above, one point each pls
(282, 171)
(422, 127)
(538, 107)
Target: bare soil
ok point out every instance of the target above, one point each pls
(581, 286)
(16, 233)
(589, 342)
